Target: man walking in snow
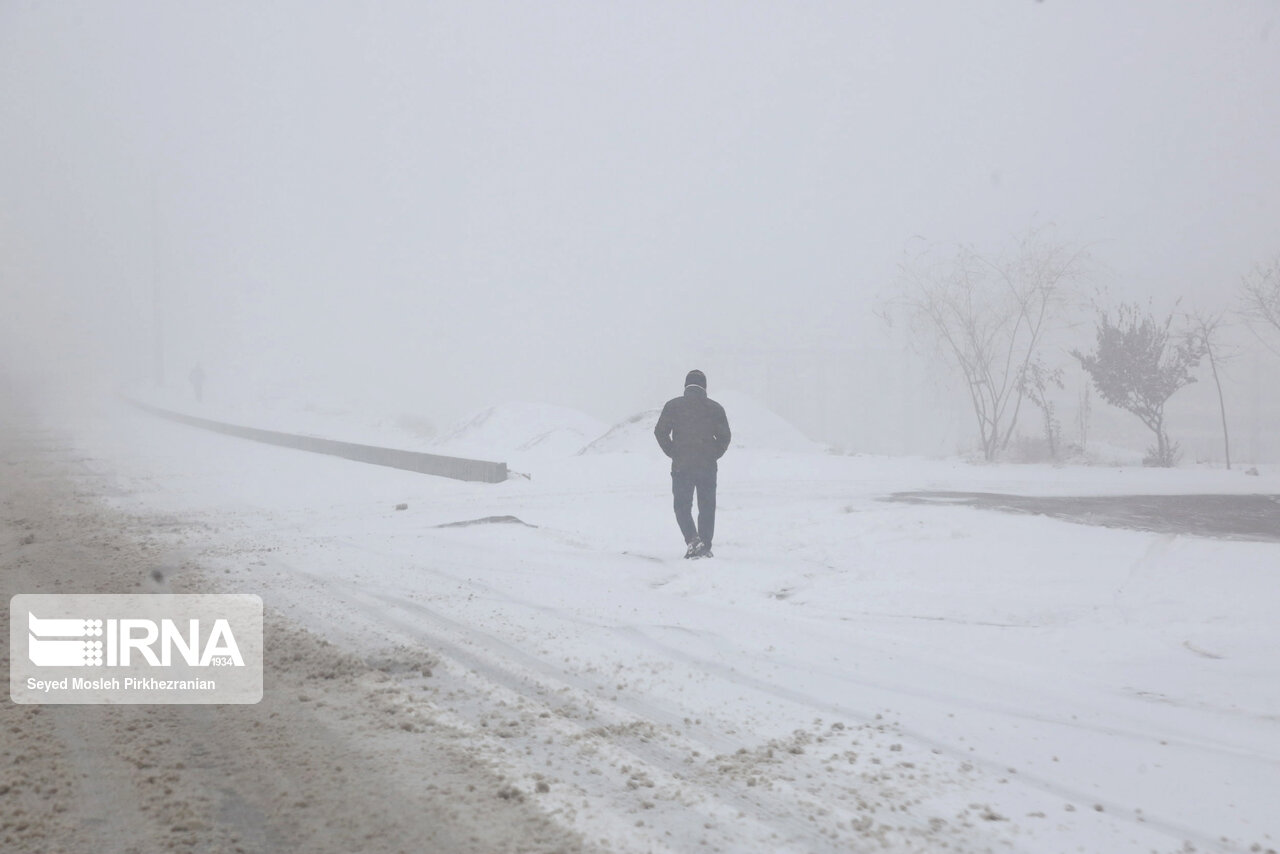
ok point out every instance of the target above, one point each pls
(693, 431)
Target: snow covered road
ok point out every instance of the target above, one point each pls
(304, 770)
(846, 674)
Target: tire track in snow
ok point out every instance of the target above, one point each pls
(503, 656)
(505, 667)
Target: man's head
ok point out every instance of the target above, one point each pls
(696, 377)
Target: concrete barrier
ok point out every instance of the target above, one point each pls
(457, 468)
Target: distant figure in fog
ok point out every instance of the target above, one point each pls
(693, 431)
(197, 381)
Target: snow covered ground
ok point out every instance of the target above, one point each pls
(846, 672)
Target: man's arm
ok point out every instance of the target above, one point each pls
(722, 434)
(663, 431)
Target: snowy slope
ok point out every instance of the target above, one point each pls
(519, 428)
(632, 435)
(298, 410)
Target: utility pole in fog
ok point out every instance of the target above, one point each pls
(1255, 425)
(157, 303)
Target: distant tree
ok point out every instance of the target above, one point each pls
(1036, 382)
(1206, 331)
(1260, 302)
(1137, 365)
(1084, 411)
(987, 317)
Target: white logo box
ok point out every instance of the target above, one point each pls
(135, 648)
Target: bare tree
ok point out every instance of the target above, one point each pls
(1137, 365)
(1260, 302)
(1036, 383)
(1084, 412)
(987, 317)
(1205, 331)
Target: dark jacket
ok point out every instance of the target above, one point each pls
(693, 430)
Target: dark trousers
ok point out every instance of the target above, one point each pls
(683, 485)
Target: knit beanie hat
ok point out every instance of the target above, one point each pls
(696, 377)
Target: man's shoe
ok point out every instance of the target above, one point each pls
(694, 547)
(703, 550)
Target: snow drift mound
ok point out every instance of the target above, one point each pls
(515, 429)
(754, 427)
(634, 435)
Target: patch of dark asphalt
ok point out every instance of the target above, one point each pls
(1232, 517)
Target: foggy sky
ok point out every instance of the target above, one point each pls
(457, 204)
